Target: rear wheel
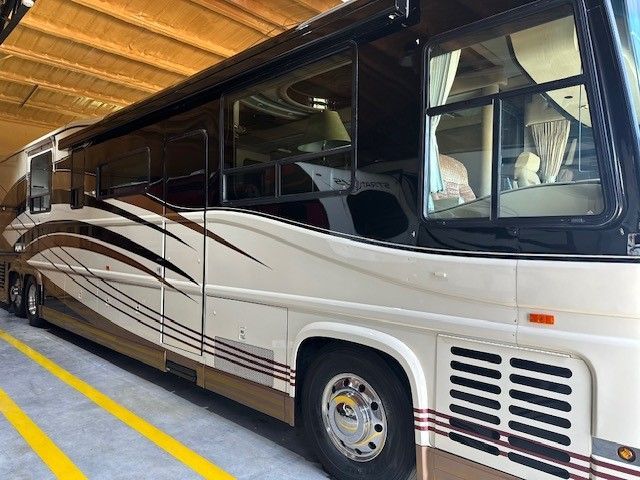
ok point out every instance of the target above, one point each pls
(32, 303)
(357, 416)
(16, 295)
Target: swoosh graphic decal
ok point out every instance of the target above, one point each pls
(63, 197)
(208, 341)
(218, 348)
(98, 233)
(91, 201)
(61, 240)
(156, 206)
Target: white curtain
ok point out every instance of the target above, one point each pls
(442, 74)
(551, 142)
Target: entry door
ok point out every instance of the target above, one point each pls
(185, 159)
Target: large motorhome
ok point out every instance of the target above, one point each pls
(410, 228)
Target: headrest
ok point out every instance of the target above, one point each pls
(528, 161)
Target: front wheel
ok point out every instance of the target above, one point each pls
(357, 416)
(32, 303)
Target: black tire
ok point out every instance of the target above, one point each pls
(396, 459)
(32, 305)
(17, 297)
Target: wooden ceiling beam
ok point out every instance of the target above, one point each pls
(28, 102)
(318, 6)
(43, 83)
(136, 19)
(88, 70)
(26, 121)
(250, 13)
(108, 46)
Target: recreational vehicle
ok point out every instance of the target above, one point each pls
(410, 228)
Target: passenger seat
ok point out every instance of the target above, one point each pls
(526, 170)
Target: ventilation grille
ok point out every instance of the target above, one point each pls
(520, 411)
(3, 274)
(239, 359)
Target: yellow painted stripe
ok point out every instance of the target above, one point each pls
(51, 455)
(200, 465)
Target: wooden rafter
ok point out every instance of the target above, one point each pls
(250, 13)
(108, 46)
(89, 70)
(26, 121)
(318, 6)
(73, 91)
(176, 34)
(41, 106)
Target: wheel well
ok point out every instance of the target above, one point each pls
(311, 347)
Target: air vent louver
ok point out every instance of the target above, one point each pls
(521, 411)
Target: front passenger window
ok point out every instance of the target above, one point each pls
(508, 114)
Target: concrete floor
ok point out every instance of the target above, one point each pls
(244, 443)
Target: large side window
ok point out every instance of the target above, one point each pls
(292, 135)
(125, 175)
(185, 170)
(40, 182)
(509, 129)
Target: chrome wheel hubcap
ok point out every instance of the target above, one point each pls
(32, 299)
(354, 417)
(16, 293)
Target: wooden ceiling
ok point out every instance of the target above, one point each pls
(76, 59)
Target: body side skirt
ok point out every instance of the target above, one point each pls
(267, 400)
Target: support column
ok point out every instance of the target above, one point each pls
(487, 143)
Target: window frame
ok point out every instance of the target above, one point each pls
(118, 192)
(176, 138)
(76, 200)
(50, 185)
(607, 161)
(292, 65)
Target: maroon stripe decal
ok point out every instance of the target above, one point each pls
(507, 445)
(258, 357)
(419, 418)
(606, 476)
(577, 456)
(613, 466)
(271, 374)
(511, 447)
(253, 362)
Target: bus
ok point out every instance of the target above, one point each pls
(409, 228)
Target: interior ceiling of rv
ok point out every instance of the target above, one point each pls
(67, 60)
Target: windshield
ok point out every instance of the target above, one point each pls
(627, 14)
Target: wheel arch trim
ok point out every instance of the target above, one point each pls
(383, 342)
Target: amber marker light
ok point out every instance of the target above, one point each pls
(626, 454)
(542, 319)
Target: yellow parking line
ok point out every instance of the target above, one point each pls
(200, 465)
(48, 451)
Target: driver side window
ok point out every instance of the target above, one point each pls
(509, 131)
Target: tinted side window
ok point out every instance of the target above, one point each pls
(292, 135)
(185, 170)
(126, 175)
(40, 183)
